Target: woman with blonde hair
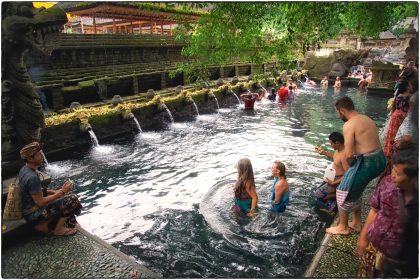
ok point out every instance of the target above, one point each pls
(245, 192)
(280, 190)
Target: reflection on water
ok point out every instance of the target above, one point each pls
(164, 197)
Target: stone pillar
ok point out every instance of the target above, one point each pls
(184, 79)
(252, 68)
(135, 84)
(94, 25)
(73, 56)
(236, 70)
(114, 28)
(221, 72)
(57, 98)
(163, 80)
(92, 55)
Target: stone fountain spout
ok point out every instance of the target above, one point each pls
(85, 127)
(127, 116)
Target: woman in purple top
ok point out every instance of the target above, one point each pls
(382, 236)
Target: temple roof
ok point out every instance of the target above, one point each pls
(129, 11)
(386, 35)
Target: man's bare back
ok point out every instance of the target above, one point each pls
(340, 163)
(361, 131)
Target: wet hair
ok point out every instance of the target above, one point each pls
(245, 178)
(364, 76)
(408, 157)
(403, 86)
(290, 87)
(408, 73)
(273, 91)
(344, 102)
(281, 167)
(336, 137)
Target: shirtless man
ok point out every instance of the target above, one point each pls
(363, 83)
(337, 83)
(326, 192)
(324, 82)
(364, 154)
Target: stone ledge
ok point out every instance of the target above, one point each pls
(80, 256)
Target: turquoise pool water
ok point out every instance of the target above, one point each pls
(164, 197)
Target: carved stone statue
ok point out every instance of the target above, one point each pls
(24, 28)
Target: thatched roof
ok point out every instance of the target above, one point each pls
(129, 11)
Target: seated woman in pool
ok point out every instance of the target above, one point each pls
(245, 192)
(280, 190)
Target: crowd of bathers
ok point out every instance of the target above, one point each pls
(388, 238)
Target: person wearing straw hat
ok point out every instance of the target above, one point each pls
(50, 212)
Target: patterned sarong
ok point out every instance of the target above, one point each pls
(370, 263)
(364, 168)
(66, 206)
(322, 191)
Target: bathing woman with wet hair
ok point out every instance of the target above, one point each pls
(280, 190)
(245, 192)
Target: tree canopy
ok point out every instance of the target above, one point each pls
(259, 31)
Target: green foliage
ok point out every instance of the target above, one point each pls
(258, 32)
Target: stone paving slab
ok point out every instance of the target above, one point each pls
(80, 256)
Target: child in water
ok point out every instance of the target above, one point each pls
(245, 192)
(280, 190)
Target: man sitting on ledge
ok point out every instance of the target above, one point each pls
(48, 211)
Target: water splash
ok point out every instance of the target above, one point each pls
(58, 169)
(44, 157)
(138, 125)
(239, 101)
(169, 112)
(217, 103)
(93, 138)
(196, 108)
(265, 90)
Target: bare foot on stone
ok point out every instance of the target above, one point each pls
(338, 230)
(356, 228)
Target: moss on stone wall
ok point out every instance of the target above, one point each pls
(99, 114)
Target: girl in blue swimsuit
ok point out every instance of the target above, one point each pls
(280, 190)
(245, 192)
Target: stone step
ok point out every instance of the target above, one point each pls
(8, 227)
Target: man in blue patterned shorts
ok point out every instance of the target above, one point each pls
(366, 159)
